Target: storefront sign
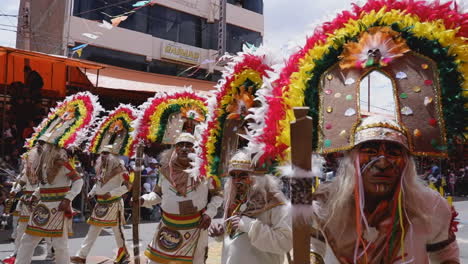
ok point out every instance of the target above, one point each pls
(179, 52)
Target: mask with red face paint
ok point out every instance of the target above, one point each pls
(381, 164)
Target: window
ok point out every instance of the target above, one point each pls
(252, 5)
(376, 95)
(177, 26)
(106, 9)
(112, 57)
(237, 37)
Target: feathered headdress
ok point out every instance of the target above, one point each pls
(67, 124)
(166, 115)
(229, 109)
(113, 132)
(429, 81)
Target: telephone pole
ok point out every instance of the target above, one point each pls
(222, 28)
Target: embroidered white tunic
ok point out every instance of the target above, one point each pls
(46, 220)
(107, 212)
(265, 239)
(424, 244)
(178, 238)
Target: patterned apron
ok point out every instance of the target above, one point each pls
(107, 212)
(25, 207)
(176, 239)
(46, 220)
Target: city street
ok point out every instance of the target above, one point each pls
(105, 245)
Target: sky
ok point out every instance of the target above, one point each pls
(8, 7)
(285, 20)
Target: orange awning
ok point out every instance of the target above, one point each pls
(124, 79)
(51, 68)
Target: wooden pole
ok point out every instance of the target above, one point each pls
(301, 188)
(136, 204)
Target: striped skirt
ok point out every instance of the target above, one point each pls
(107, 212)
(176, 239)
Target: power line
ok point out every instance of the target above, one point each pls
(5, 25)
(8, 15)
(103, 7)
(7, 30)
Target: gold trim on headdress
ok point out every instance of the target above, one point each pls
(240, 161)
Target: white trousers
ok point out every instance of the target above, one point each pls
(15, 224)
(19, 234)
(93, 234)
(201, 251)
(29, 243)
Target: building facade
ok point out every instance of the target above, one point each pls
(166, 38)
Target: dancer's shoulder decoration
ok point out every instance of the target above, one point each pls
(230, 110)
(68, 124)
(407, 54)
(113, 132)
(166, 115)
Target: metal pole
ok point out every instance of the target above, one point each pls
(136, 203)
(222, 28)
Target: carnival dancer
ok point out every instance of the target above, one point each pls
(112, 183)
(59, 183)
(111, 140)
(28, 182)
(187, 204)
(377, 210)
(257, 223)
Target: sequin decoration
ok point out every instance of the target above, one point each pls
(327, 143)
(349, 81)
(406, 110)
(349, 97)
(428, 100)
(343, 133)
(328, 91)
(329, 77)
(417, 89)
(403, 96)
(329, 109)
(417, 133)
(428, 82)
(432, 122)
(424, 66)
(401, 75)
(350, 112)
(328, 126)
(337, 95)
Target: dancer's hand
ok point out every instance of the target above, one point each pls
(64, 205)
(215, 230)
(235, 222)
(205, 221)
(106, 196)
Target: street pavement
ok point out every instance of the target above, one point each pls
(104, 248)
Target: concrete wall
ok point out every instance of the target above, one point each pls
(126, 40)
(209, 9)
(47, 20)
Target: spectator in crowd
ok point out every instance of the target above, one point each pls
(28, 131)
(151, 174)
(33, 81)
(452, 180)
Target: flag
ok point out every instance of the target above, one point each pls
(140, 3)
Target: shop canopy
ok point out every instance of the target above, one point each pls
(58, 71)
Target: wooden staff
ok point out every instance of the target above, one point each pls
(136, 203)
(301, 188)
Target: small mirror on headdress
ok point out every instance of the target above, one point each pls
(376, 95)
